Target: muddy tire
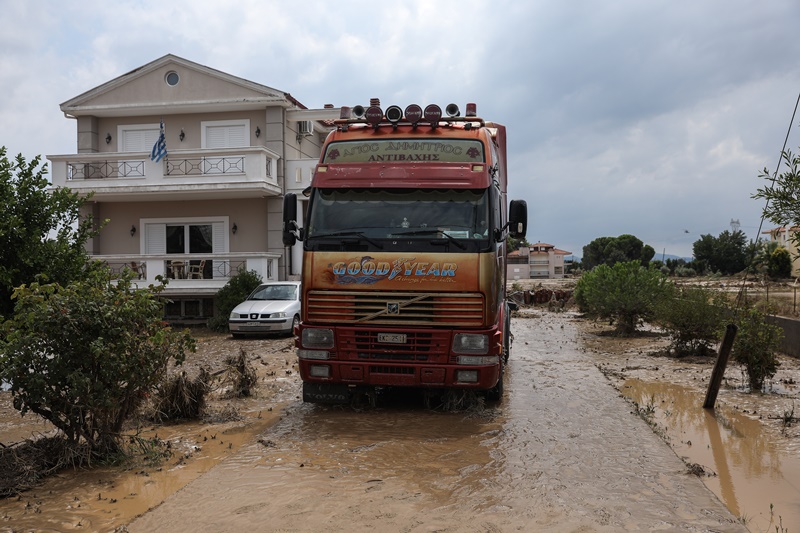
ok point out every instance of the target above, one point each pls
(495, 394)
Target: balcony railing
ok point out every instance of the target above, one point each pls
(192, 272)
(250, 169)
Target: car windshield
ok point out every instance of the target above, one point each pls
(454, 213)
(275, 292)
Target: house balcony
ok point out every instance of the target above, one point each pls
(250, 172)
(192, 274)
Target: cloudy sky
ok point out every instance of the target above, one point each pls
(653, 117)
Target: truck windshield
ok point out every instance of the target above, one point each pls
(391, 213)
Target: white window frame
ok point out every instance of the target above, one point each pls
(224, 220)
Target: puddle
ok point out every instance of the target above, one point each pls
(103, 498)
(750, 470)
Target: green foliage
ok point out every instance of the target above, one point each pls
(693, 317)
(783, 194)
(779, 264)
(625, 292)
(232, 294)
(726, 254)
(41, 230)
(515, 244)
(755, 347)
(85, 355)
(612, 250)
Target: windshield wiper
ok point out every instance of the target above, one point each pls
(450, 238)
(359, 234)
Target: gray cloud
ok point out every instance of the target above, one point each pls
(624, 117)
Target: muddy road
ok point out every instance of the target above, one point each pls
(562, 452)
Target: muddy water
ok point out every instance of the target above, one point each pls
(757, 477)
(561, 452)
(104, 498)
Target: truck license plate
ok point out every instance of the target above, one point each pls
(392, 338)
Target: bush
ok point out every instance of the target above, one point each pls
(755, 347)
(779, 264)
(232, 294)
(625, 292)
(693, 317)
(85, 356)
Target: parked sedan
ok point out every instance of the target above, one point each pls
(271, 308)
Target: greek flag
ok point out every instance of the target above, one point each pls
(160, 147)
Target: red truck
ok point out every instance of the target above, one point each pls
(404, 255)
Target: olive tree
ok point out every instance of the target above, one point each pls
(84, 356)
(783, 194)
(624, 292)
(41, 229)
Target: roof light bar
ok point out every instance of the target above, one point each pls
(413, 113)
(374, 115)
(432, 114)
(394, 113)
(472, 110)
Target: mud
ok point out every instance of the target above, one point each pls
(561, 452)
(564, 450)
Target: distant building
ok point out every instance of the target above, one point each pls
(783, 236)
(538, 261)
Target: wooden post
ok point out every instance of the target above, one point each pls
(719, 367)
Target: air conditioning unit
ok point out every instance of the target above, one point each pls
(305, 127)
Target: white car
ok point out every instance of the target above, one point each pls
(271, 308)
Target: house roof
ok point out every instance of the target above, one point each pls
(143, 91)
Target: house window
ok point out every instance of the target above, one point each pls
(137, 137)
(172, 78)
(225, 134)
(190, 238)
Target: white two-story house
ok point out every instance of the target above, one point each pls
(213, 205)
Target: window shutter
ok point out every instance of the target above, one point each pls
(226, 136)
(218, 239)
(155, 239)
(139, 140)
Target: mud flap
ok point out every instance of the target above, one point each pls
(328, 393)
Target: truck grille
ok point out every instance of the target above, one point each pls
(358, 344)
(396, 308)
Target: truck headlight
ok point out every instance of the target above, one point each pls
(317, 338)
(472, 343)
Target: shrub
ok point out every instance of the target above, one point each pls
(693, 317)
(779, 264)
(755, 347)
(232, 294)
(625, 292)
(85, 356)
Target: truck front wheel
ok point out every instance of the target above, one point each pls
(495, 394)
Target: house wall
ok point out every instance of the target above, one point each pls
(250, 216)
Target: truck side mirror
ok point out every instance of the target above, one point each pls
(289, 219)
(518, 218)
